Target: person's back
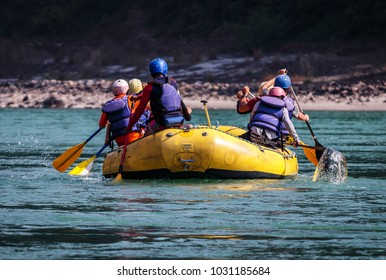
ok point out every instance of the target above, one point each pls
(134, 96)
(166, 104)
(265, 126)
(116, 114)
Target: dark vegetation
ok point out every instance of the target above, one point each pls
(63, 35)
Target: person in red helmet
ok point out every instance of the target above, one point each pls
(166, 104)
(268, 118)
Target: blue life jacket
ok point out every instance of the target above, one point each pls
(118, 114)
(289, 104)
(269, 114)
(142, 121)
(165, 103)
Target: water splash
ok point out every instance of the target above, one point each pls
(332, 167)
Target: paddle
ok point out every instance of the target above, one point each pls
(303, 145)
(318, 152)
(309, 151)
(251, 94)
(84, 168)
(206, 112)
(118, 178)
(65, 160)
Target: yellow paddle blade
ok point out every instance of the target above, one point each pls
(310, 154)
(83, 168)
(316, 174)
(118, 178)
(65, 160)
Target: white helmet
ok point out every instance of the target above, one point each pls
(120, 87)
(135, 86)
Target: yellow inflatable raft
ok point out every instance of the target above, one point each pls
(200, 152)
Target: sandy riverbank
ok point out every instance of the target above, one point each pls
(327, 96)
(90, 101)
(321, 104)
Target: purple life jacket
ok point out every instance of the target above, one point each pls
(165, 103)
(118, 114)
(269, 114)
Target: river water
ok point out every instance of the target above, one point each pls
(45, 214)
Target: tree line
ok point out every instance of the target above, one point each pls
(246, 23)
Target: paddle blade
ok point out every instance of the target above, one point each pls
(310, 153)
(83, 168)
(65, 160)
(316, 174)
(118, 178)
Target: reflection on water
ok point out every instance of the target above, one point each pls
(50, 215)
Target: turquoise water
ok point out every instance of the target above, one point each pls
(45, 214)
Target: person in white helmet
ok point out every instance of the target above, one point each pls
(116, 113)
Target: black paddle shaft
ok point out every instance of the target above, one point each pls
(92, 136)
(318, 152)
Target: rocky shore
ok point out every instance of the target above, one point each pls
(355, 95)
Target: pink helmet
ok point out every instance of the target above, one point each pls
(120, 87)
(276, 91)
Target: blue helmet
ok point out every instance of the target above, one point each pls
(158, 65)
(282, 81)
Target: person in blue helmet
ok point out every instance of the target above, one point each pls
(248, 105)
(166, 104)
(245, 104)
(284, 81)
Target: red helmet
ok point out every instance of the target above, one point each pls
(276, 91)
